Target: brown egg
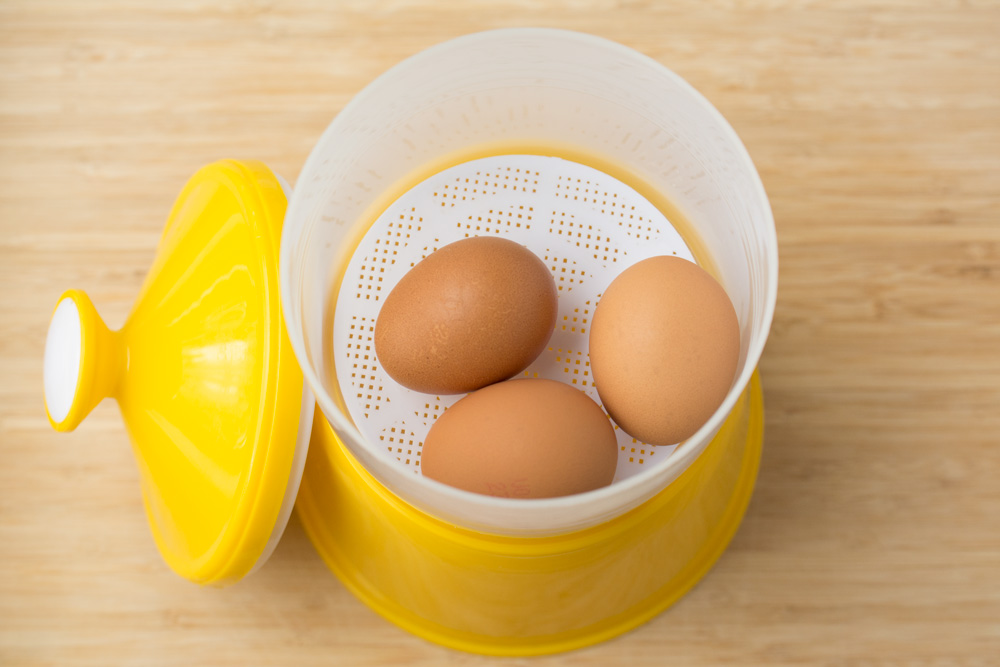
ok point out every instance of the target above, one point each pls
(664, 346)
(528, 438)
(475, 312)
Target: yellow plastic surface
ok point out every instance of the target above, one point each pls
(527, 596)
(205, 375)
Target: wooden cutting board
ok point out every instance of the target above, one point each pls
(873, 537)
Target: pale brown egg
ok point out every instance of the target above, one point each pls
(528, 438)
(475, 312)
(664, 347)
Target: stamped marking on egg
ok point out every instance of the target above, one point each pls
(586, 226)
(518, 488)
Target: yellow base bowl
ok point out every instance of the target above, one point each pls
(501, 595)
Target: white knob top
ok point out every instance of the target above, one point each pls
(63, 351)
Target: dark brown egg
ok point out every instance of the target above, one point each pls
(664, 348)
(529, 438)
(475, 312)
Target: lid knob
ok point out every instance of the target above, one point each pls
(84, 361)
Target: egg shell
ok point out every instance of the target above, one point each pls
(527, 438)
(664, 348)
(474, 312)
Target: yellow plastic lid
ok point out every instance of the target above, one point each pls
(205, 376)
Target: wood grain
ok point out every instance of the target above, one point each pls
(873, 537)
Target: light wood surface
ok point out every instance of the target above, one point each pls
(874, 534)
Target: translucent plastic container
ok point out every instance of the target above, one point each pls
(566, 94)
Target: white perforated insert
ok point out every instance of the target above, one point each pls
(585, 225)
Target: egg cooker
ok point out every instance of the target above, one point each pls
(252, 315)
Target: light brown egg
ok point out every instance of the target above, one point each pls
(664, 346)
(528, 438)
(475, 312)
